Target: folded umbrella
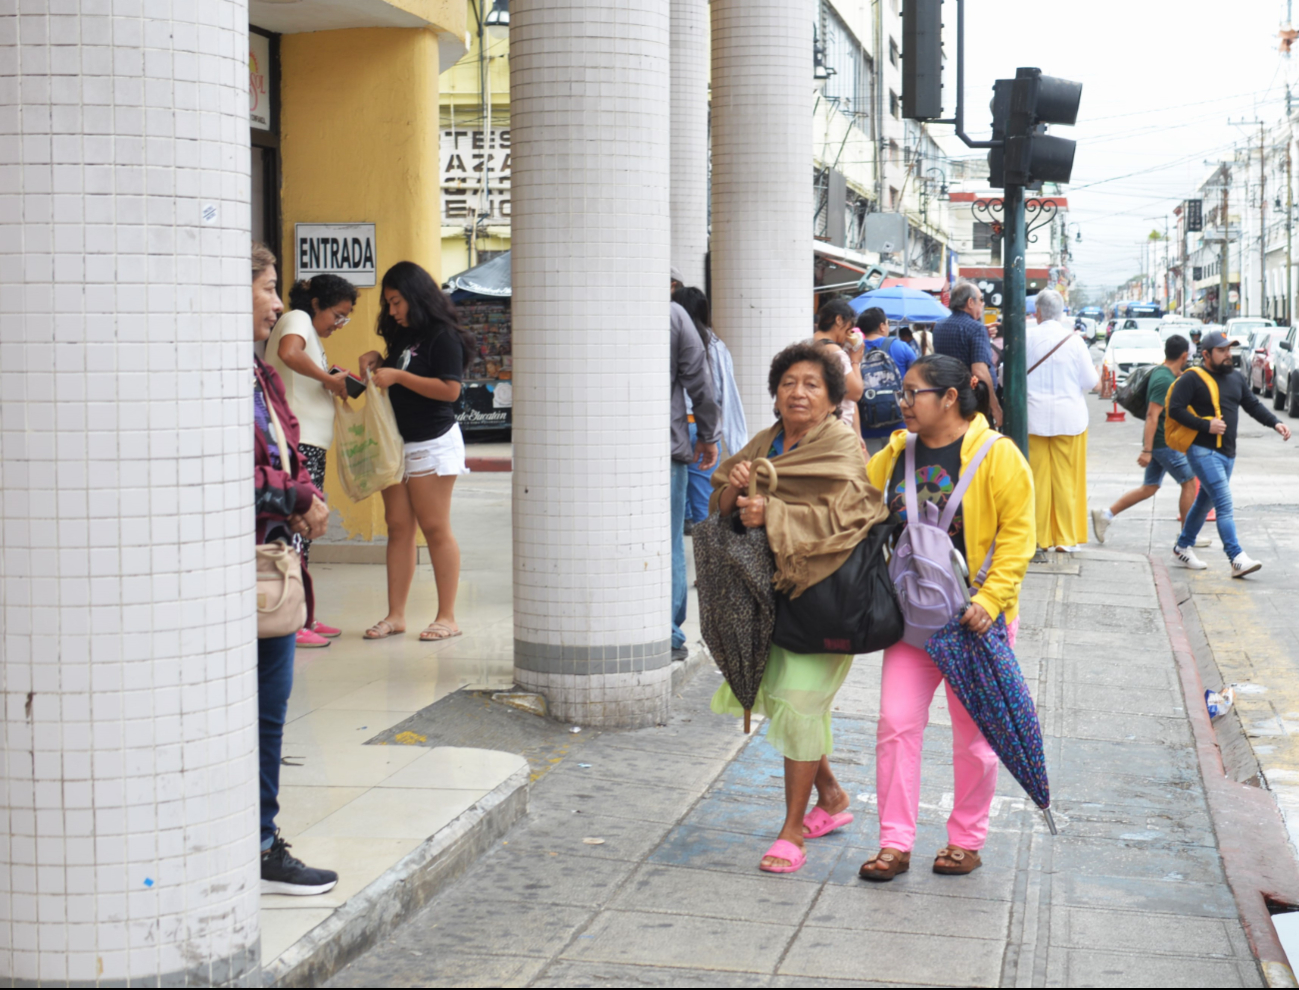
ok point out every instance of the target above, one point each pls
(985, 676)
(734, 567)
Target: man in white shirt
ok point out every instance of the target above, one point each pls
(1060, 374)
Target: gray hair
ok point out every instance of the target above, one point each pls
(1050, 305)
(962, 293)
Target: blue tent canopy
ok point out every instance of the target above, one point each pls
(903, 305)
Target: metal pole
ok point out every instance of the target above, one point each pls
(1262, 226)
(1224, 276)
(1015, 407)
(1289, 235)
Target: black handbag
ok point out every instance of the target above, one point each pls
(854, 610)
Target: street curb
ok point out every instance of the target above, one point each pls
(375, 911)
(1252, 839)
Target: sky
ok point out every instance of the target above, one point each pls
(1162, 83)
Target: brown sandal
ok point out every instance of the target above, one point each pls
(966, 860)
(896, 860)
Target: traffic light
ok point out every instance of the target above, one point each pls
(1000, 107)
(922, 59)
(1033, 156)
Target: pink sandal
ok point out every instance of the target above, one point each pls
(786, 850)
(819, 822)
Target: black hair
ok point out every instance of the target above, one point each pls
(871, 320)
(1175, 346)
(831, 369)
(327, 290)
(944, 371)
(832, 310)
(905, 334)
(695, 303)
(429, 312)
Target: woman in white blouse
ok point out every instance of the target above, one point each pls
(1060, 374)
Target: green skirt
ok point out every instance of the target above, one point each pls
(795, 696)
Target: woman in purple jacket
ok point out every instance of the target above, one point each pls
(287, 504)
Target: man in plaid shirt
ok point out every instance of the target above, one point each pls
(964, 336)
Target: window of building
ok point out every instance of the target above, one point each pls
(893, 197)
(983, 236)
(850, 71)
(893, 52)
(895, 105)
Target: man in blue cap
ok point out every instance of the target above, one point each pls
(1212, 453)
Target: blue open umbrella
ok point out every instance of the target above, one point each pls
(984, 674)
(901, 304)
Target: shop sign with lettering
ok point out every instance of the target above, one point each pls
(345, 249)
(259, 81)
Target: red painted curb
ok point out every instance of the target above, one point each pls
(489, 463)
(1252, 838)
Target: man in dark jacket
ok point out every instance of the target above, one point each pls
(964, 336)
(689, 374)
(1213, 451)
(286, 502)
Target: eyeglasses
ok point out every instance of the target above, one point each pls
(909, 394)
(341, 321)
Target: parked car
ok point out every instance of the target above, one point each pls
(1241, 329)
(1262, 354)
(1168, 328)
(1285, 381)
(1129, 348)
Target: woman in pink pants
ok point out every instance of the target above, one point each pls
(993, 527)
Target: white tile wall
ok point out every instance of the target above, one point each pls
(689, 193)
(590, 91)
(127, 656)
(762, 199)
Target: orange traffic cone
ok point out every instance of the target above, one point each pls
(1115, 415)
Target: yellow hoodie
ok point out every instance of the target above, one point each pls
(998, 504)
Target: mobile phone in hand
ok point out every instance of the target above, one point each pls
(355, 387)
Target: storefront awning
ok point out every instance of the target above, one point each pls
(491, 278)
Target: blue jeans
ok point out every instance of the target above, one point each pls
(680, 482)
(1214, 471)
(701, 485)
(274, 682)
(1166, 460)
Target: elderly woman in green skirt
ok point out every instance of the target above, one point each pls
(823, 507)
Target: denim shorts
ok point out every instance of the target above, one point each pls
(1166, 459)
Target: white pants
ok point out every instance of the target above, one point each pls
(442, 456)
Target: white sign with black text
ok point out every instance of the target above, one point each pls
(346, 249)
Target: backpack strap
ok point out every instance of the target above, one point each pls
(909, 478)
(967, 475)
(1212, 386)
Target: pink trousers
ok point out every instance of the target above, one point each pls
(906, 691)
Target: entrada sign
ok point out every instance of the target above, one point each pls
(345, 249)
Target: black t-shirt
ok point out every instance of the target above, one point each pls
(937, 472)
(420, 418)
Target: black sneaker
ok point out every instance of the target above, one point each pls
(283, 874)
(689, 527)
(680, 653)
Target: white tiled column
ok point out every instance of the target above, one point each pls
(589, 87)
(127, 661)
(690, 138)
(762, 185)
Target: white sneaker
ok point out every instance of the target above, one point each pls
(1244, 564)
(1187, 556)
(1100, 523)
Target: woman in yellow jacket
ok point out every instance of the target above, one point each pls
(940, 405)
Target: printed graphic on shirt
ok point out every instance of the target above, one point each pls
(937, 472)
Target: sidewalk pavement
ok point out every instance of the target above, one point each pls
(638, 865)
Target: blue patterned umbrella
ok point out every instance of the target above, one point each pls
(984, 674)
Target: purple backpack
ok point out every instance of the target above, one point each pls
(925, 568)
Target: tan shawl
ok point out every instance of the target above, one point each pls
(823, 506)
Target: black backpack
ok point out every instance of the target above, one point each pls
(1132, 396)
(883, 387)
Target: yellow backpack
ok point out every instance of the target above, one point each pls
(1178, 436)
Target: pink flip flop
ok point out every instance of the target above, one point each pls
(819, 823)
(786, 850)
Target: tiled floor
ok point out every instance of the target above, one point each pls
(359, 809)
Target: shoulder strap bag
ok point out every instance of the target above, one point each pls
(281, 594)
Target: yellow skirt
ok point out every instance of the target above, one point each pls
(1060, 487)
(795, 696)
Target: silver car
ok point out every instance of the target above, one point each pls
(1285, 379)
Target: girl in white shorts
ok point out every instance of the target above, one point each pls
(427, 352)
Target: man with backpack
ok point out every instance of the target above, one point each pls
(883, 366)
(1156, 456)
(1203, 409)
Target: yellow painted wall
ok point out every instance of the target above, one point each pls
(359, 144)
